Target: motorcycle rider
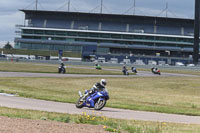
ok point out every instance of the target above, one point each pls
(98, 66)
(99, 86)
(61, 67)
(62, 64)
(124, 69)
(154, 69)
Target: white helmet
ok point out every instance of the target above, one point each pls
(103, 82)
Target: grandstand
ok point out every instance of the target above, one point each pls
(109, 35)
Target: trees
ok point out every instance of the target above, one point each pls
(8, 46)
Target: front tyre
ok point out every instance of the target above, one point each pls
(79, 103)
(100, 104)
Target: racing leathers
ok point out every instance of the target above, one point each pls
(96, 87)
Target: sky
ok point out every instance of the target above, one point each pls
(10, 14)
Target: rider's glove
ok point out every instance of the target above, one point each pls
(90, 91)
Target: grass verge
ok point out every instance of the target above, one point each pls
(112, 125)
(51, 68)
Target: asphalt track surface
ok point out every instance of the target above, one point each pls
(140, 74)
(42, 105)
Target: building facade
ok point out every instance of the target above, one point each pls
(108, 35)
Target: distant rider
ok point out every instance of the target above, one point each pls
(62, 64)
(98, 66)
(124, 69)
(61, 68)
(154, 69)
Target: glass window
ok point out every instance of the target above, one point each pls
(37, 46)
(83, 34)
(118, 36)
(93, 34)
(73, 48)
(102, 50)
(149, 37)
(171, 39)
(105, 35)
(58, 47)
(159, 38)
(127, 36)
(48, 32)
(180, 39)
(38, 32)
(138, 37)
(61, 33)
(25, 31)
(72, 33)
(27, 37)
(58, 38)
(37, 37)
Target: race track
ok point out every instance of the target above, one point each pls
(140, 74)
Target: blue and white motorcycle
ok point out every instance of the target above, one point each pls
(96, 100)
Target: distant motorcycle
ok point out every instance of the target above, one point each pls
(62, 69)
(96, 100)
(133, 69)
(155, 71)
(98, 67)
(125, 72)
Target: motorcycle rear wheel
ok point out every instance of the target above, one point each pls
(79, 103)
(99, 104)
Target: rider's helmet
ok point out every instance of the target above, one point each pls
(103, 82)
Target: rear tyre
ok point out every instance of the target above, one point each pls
(79, 103)
(99, 104)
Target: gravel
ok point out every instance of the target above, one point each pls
(18, 125)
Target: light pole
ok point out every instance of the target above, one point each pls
(101, 10)
(36, 4)
(196, 33)
(68, 5)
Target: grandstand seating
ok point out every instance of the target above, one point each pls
(169, 30)
(134, 27)
(141, 28)
(86, 25)
(188, 31)
(113, 26)
(37, 22)
(56, 23)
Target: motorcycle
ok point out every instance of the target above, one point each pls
(133, 69)
(155, 71)
(125, 72)
(61, 69)
(96, 100)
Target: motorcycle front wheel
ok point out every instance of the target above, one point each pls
(100, 104)
(79, 103)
